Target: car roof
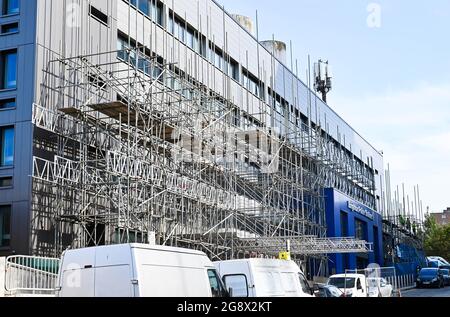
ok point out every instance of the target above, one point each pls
(269, 263)
(348, 275)
(140, 246)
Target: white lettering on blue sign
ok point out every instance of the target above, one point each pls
(366, 212)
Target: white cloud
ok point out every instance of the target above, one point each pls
(425, 105)
(412, 127)
(438, 143)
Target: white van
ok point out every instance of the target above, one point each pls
(137, 270)
(352, 285)
(263, 278)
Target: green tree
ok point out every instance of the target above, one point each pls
(437, 239)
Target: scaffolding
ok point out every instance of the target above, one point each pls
(403, 228)
(132, 157)
(129, 148)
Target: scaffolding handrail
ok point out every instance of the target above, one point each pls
(305, 245)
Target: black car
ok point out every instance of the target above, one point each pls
(324, 290)
(446, 275)
(430, 277)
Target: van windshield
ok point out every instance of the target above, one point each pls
(342, 282)
(304, 283)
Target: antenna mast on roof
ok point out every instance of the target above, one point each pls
(322, 78)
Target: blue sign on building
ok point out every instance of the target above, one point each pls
(349, 218)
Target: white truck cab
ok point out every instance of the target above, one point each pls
(137, 270)
(263, 278)
(352, 285)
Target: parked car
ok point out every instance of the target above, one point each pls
(446, 275)
(263, 278)
(439, 259)
(138, 270)
(379, 287)
(324, 290)
(430, 277)
(352, 285)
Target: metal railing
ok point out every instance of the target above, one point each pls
(28, 275)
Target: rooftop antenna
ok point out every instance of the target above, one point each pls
(322, 78)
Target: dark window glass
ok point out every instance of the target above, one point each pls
(360, 230)
(238, 283)
(10, 7)
(7, 146)
(7, 103)
(304, 283)
(130, 236)
(342, 282)
(99, 15)
(10, 28)
(344, 224)
(171, 26)
(144, 6)
(8, 69)
(358, 284)
(234, 70)
(6, 181)
(157, 12)
(5, 226)
(217, 288)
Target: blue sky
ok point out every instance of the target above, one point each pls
(391, 83)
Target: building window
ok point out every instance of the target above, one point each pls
(9, 103)
(252, 84)
(141, 60)
(376, 246)
(6, 182)
(10, 7)
(5, 226)
(360, 230)
(234, 70)
(9, 28)
(151, 8)
(99, 15)
(130, 236)
(8, 69)
(7, 146)
(344, 224)
(144, 6)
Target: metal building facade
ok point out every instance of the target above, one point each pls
(110, 99)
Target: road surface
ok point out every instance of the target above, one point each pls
(432, 292)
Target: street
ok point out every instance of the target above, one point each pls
(427, 292)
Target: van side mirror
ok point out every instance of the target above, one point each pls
(230, 292)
